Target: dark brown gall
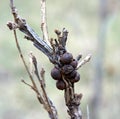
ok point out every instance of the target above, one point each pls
(66, 58)
(60, 84)
(71, 75)
(66, 69)
(76, 79)
(56, 74)
(74, 63)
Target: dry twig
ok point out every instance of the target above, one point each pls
(84, 61)
(44, 22)
(48, 105)
(43, 99)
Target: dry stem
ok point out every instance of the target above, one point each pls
(44, 22)
(18, 47)
(84, 61)
(48, 105)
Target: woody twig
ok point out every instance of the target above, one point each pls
(42, 96)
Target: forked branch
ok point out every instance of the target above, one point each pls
(42, 96)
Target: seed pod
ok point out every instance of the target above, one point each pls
(66, 69)
(56, 74)
(71, 75)
(66, 58)
(60, 84)
(74, 63)
(76, 79)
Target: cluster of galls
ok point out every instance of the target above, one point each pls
(66, 72)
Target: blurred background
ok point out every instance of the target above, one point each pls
(94, 27)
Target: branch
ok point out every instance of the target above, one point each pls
(74, 107)
(66, 68)
(31, 35)
(84, 61)
(21, 24)
(18, 46)
(44, 22)
(48, 105)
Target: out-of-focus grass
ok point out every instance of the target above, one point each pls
(81, 18)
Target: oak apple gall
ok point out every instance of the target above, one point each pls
(56, 74)
(66, 58)
(60, 84)
(76, 79)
